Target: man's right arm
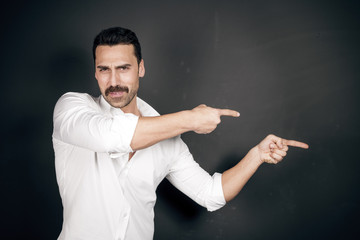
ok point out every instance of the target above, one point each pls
(202, 120)
(77, 122)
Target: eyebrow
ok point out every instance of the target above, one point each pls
(124, 65)
(102, 67)
(120, 66)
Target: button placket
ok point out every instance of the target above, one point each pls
(123, 223)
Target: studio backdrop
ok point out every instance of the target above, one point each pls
(290, 68)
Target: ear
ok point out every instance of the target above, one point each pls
(141, 68)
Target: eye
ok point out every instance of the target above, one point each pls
(124, 68)
(103, 69)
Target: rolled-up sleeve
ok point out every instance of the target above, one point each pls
(186, 175)
(79, 121)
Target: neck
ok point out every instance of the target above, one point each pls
(132, 108)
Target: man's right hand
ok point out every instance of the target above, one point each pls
(202, 120)
(205, 119)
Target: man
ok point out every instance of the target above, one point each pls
(111, 152)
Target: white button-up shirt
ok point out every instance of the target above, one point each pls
(104, 195)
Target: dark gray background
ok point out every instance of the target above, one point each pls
(290, 67)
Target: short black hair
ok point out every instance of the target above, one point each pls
(118, 35)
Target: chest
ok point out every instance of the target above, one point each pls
(144, 169)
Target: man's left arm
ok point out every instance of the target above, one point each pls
(191, 179)
(271, 150)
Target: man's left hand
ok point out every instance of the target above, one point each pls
(273, 149)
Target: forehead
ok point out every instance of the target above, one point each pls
(120, 52)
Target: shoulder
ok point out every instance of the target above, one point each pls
(76, 100)
(146, 109)
(76, 96)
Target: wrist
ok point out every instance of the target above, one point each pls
(186, 121)
(256, 155)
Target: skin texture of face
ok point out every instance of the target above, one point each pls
(117, 72)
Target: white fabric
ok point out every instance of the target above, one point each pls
(104, 195)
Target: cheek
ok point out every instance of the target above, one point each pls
(132, 79)
(102, 86)
(123, 79)
(102, 80)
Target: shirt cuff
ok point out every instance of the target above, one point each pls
(218, 199)
(124, 126)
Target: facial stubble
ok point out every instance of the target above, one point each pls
(123, 100)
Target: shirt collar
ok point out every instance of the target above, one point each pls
(145, 109)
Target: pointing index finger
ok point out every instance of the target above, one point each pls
(294, 143)
(228, 112)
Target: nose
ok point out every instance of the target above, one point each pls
(115, 79)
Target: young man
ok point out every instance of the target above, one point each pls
(111, 152)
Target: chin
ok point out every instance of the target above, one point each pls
(117, 104)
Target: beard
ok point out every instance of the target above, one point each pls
(121, 101)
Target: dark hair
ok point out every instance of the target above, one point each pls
(118, 35)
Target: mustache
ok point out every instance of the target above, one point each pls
(117, 88)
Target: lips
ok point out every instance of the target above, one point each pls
(117, 94)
